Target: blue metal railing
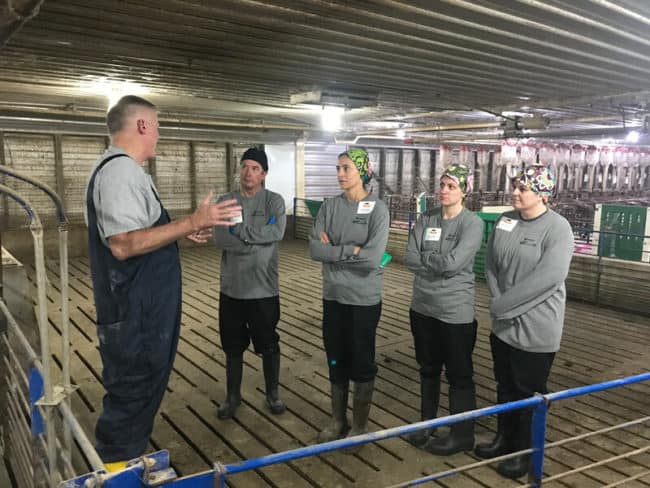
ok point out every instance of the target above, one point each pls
(147, 471)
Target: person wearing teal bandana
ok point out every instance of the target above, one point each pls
(527, 261)
(349, 239)
(440, 252)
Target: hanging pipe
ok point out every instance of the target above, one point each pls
(63, 271)
(48, 391)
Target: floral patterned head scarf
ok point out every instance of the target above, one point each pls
(538, 178)
(462, 176)
(359, 157)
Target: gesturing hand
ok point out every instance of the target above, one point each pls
(324, 238)
(202, 236)
(210, 214)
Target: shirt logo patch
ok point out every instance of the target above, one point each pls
(360, 220)
(527, 241)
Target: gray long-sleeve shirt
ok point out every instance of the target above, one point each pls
(350, 279)
(249, 263)
(526, 265)
(441, 254)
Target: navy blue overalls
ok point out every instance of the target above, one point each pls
(138, 304)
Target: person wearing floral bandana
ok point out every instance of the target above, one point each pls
(440, 252)
(349, 238)
(527, 262)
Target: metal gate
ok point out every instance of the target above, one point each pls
(40, 426)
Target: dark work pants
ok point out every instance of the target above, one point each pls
(244, 320)
(349, 337)
(438, 343)
(519, 374)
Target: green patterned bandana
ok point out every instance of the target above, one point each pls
(359, 157)
(462, 176)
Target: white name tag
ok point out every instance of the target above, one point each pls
(432, 234)
(365, 207)
(507, 224)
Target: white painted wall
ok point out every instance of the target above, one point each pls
(282, 173)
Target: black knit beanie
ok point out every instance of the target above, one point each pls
(256, 155)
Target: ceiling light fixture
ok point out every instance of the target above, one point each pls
(632, 136)
(113, 90)
(332, 118)
(335, 96)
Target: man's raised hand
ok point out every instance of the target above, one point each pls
(209, 214)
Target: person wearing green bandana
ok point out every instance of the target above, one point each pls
(440, 252)
(349, 238)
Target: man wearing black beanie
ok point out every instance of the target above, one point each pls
(249, 302)
(254, 154)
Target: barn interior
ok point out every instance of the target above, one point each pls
(492, 84)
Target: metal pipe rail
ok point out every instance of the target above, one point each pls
(49, 400)
(64, 281)
(37, 233)
(67, 415)
(153, 470)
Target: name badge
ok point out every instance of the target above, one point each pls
(507, 224)
(365, 207)
(432, 234)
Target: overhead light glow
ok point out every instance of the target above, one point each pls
(633, 136)
(400, 133)
(332, 118)
(512, 113)
(113, 90)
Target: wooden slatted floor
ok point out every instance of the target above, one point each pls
(598, 345)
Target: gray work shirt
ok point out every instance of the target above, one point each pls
(249, 262)
(350, 279)
(124, 196)
(526, 264)
(441, 254)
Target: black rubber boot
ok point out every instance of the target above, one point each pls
(461, 434)
(338, 426)
(518, 466)
(429, 398)
(234, 367)
(503, 441)
(271, 364)
(362, 400)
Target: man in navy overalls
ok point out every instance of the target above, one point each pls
(136, 275)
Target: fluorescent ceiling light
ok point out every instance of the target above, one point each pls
(332, 118)
(633, 136)
(113, 90)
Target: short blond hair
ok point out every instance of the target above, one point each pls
(124, 108)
